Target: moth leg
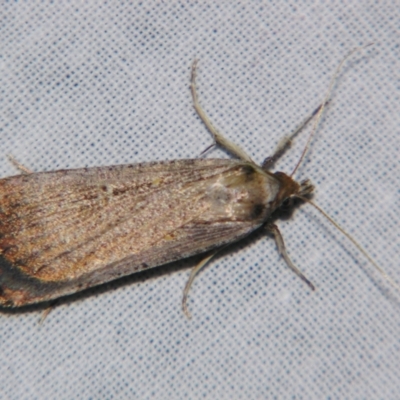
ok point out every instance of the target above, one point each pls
(45, 313)
(193, 274)
(19, 166)
(218, 138)
(282, 251)
(286, 141)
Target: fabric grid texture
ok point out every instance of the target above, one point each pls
(90, 83)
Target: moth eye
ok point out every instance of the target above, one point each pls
(287, 203)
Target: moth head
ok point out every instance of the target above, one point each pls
(290, 189)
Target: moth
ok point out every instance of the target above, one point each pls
(65, 231)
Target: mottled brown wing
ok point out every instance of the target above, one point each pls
(73, 229)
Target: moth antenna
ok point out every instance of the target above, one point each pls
(324, 102)
(352, 240)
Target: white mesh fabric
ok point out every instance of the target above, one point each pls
(86, 84)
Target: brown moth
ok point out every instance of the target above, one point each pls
(65, 231)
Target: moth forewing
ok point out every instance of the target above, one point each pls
(73, 229)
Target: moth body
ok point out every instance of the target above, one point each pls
(65, 231)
